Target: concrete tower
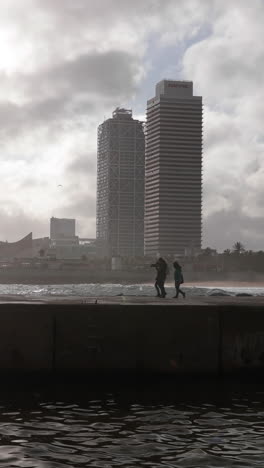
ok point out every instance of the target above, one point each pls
(120, 186)
(173, 176)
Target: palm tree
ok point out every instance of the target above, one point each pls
(208, 251)
(238, 247)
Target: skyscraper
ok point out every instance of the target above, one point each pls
(173, 177)
(120, 186)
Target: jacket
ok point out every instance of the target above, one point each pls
(178, 277)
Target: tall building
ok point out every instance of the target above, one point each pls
(173, 177)
(62, 231)
(120, 186)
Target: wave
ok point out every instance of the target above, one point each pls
(90, 290)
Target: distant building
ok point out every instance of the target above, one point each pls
(62, 232)
(173, 184)
(62, 227)
(89, 244)
(81, 252)
(120, 186)
(40, 246)
(19, 249)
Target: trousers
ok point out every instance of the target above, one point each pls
(178, 290)
(159, 285)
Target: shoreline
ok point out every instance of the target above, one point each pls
(188, 284)
(226, 284)
(29, 276)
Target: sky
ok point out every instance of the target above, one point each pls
(65, 65)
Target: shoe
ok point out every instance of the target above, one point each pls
(175, 297)
(158, 295)
(163, 296)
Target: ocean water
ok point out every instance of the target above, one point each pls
(97, 290)
(155, 425)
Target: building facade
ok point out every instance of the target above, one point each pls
(19, 249)
(62, 229)
(120, 186)
(173, 177)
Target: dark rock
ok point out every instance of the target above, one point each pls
(218, 292)
(244, 295)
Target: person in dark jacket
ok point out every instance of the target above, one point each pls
(162, 268)
(178, 278)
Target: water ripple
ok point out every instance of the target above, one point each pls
(111, 432)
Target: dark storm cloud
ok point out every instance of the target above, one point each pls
(69, 90)
(107, 75)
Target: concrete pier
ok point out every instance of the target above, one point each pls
(204, 335)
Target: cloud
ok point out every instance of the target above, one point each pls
(16, 223)
(236, 226)
(228, 69)
(69, 90)
(83, 207)
(106, 74)
(63, 70)
(84, 164)
(66, 65)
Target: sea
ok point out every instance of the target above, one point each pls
(155, 424)
(97, 290)
(146, 422)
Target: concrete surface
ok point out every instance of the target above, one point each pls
(26, 338)
(211, 335)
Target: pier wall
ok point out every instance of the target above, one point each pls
(184, 339)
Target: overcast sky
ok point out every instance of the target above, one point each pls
(66, 64)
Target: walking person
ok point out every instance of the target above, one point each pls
(162, 269)
(178, 278)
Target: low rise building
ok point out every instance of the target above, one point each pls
(20, 249)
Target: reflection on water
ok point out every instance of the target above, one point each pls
(165, 425)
